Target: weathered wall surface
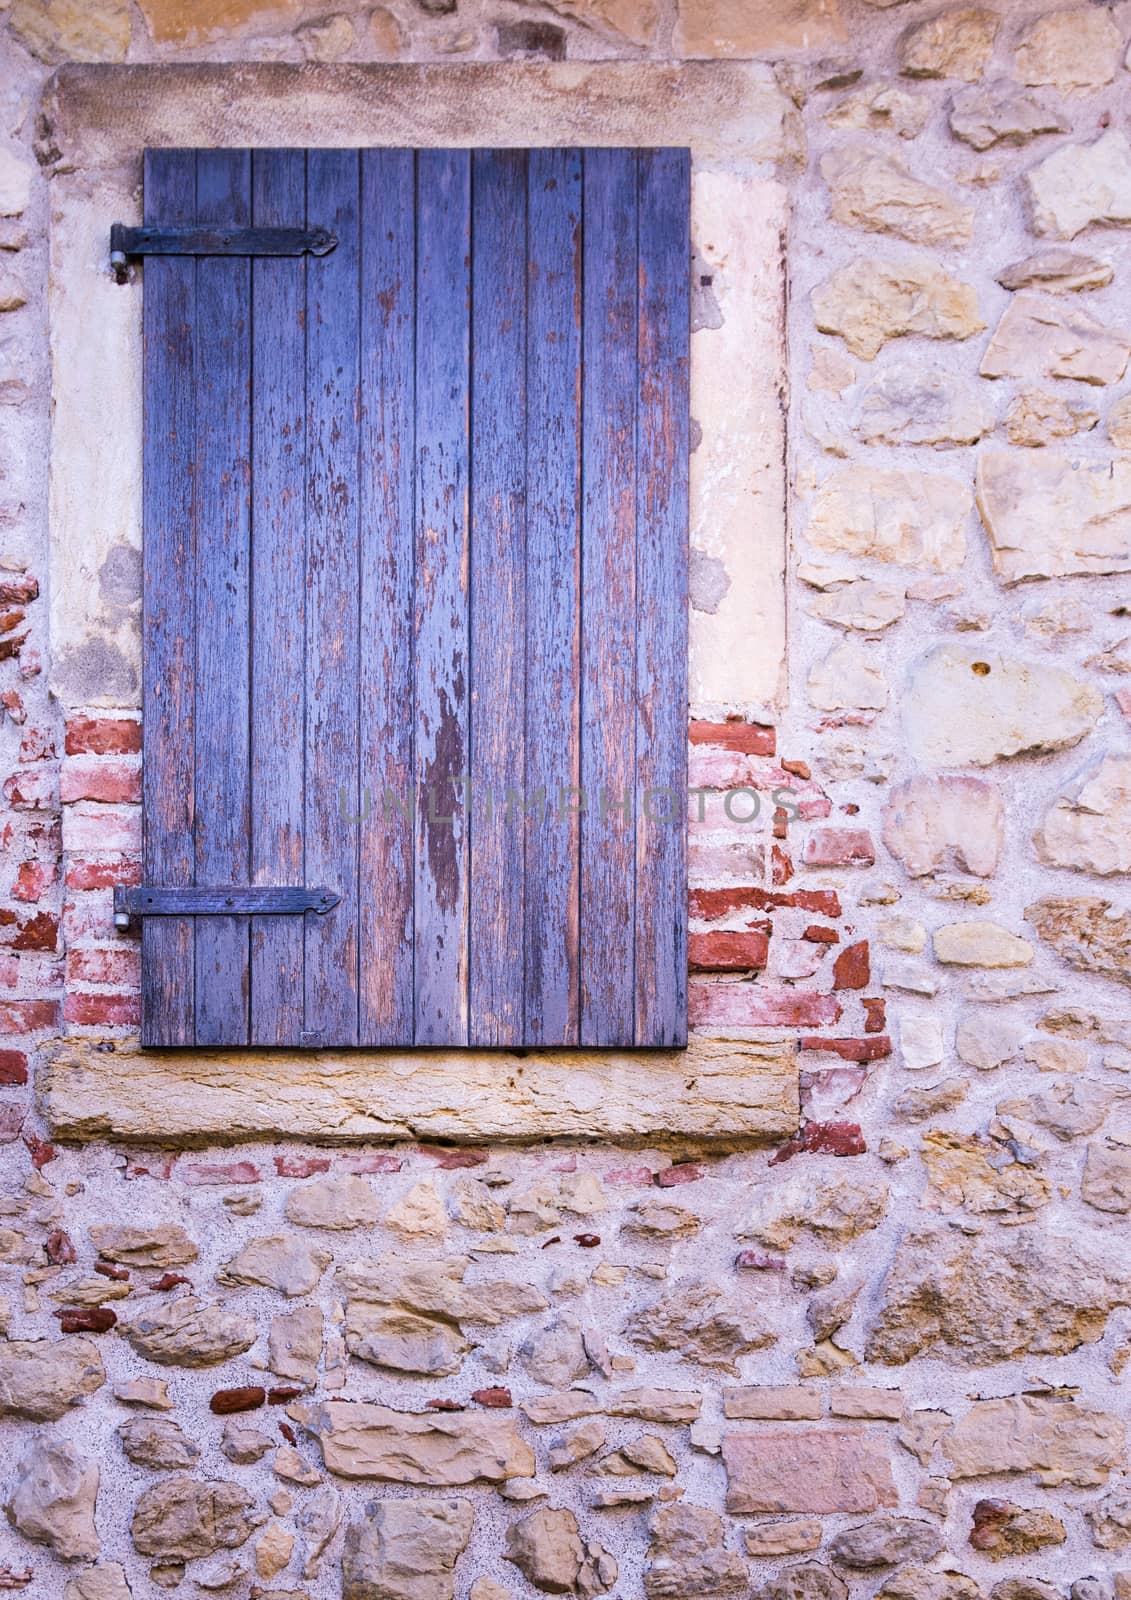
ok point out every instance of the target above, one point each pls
(884, 1353)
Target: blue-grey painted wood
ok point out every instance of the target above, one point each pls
(168, 630)
(278, 595)
(223, 564)
(608, 581)
(496, 999)
(333, 788)
(553, 593)
(661, 597)
(386, 488)
(442, 666)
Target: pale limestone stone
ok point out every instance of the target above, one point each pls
(1119, 424)
(921, 1041)
(180, 1519)
(1041, 336)
(659, 1219)
(647, 1454)
(817, 1470)
(862, 604)
(1090, 934)
(1052, 516)
(886, 1541)
(1003, 1529)
(635, 20)
(583, 1442)
(167, 1245)
(1081, 184)
(712, 29)
(921, 1433)
(474, 1207)
(698, 1321)
(327, 40)
(488, 1589)
(1000, 113)
(554, 1354)
(986, 1040)
(52, 1498)
(170, 22)
(872, 300)
(157, 1442)
(150, 1392)
(988, 1297)
(1058, 271)
(1071, 50)
(243, 1445)
(830, 371)
(974, 1173)
(40, 1379)
(91, 1292)
(873, 190)
(16, 174)
(386, 37)
(361, 1439)
(721, 1091)
(558, 1408)
(654, 1405)
(288, 1465)
(808, 1580)
(1089, 826)
(910, 404)
(882, 108)
(12, 295)
(1056, 1440)
(1106, 1184)
(337, 1203)
(294, 1344)
(951, 824)
(548, 1550)
(1067, 1111)
(921, 1583)
(902, 933)
(963, 707)
(834, 1209)
(772, 1402)
(106, 1581)
(909, 517)
(864, 1402)
(847, 679)
(980, 944)
(432, 1291)
(273, 1550)
(1034, 418)
(688, 1558)
(72, 30)
(283, 1262)
(188, 1333)
(956, 43)
(921, 1102)
(405, 1549)
(787, 1538)
(1110, 1520)
(1059, 616)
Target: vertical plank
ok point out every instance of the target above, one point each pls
(661, 597)
(441, 666)
(333, 578)
(497, 597)
(386, 488)
(278, 595)
(223, 438)
(168, 626)
(553, 598)
(608, 578)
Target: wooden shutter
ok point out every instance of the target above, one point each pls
(415, 546)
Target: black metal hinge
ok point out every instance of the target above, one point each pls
(238, 901)
(202, 239)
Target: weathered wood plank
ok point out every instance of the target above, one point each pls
(332, 575)
(386, 489)
(553, 593)
(168, 1014)
(223, 562)
(498, 597)
(278, 588)
(442, 666)
(608, 581)
(661, 597)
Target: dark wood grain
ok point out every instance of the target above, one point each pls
(661, 597)
(223, 566)
(168, 1014)
(608, 581)
(278, 596)
(386, 487)
(553, 593)
(498, 597)
(333, 788)
(442, 666)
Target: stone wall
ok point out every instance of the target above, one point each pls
(850, 1314)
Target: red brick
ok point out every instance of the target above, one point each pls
(710, 904)
(110, 782)
(873, 1049)
(34, 789)
(37, 744)
(11, 620)
(33, 880)
(367, 1161)
(13, 1067)
(149, 1164)
(299, 1166)
(875, 1015)
(758, 1261)
(852, 968)
(679, 1173)
(40, 932)
(18, 589)
(820, 935)
(221, 1172)
(634, 1176)
(60, 1248)
(11, 974)
(839, 847)
(797, 769)
(40, 1150)
(103, 874)
(120, 967)
(754, 1005)
(11, 645)
(14, 706)
(90, 828)
(90, 916)
(248, 1398)
(103, 736)
(103, 1010)
(752, 738)
(823, 1139)
(28, 1016)
(728, 952)
(455, 1160)
(781, 866)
